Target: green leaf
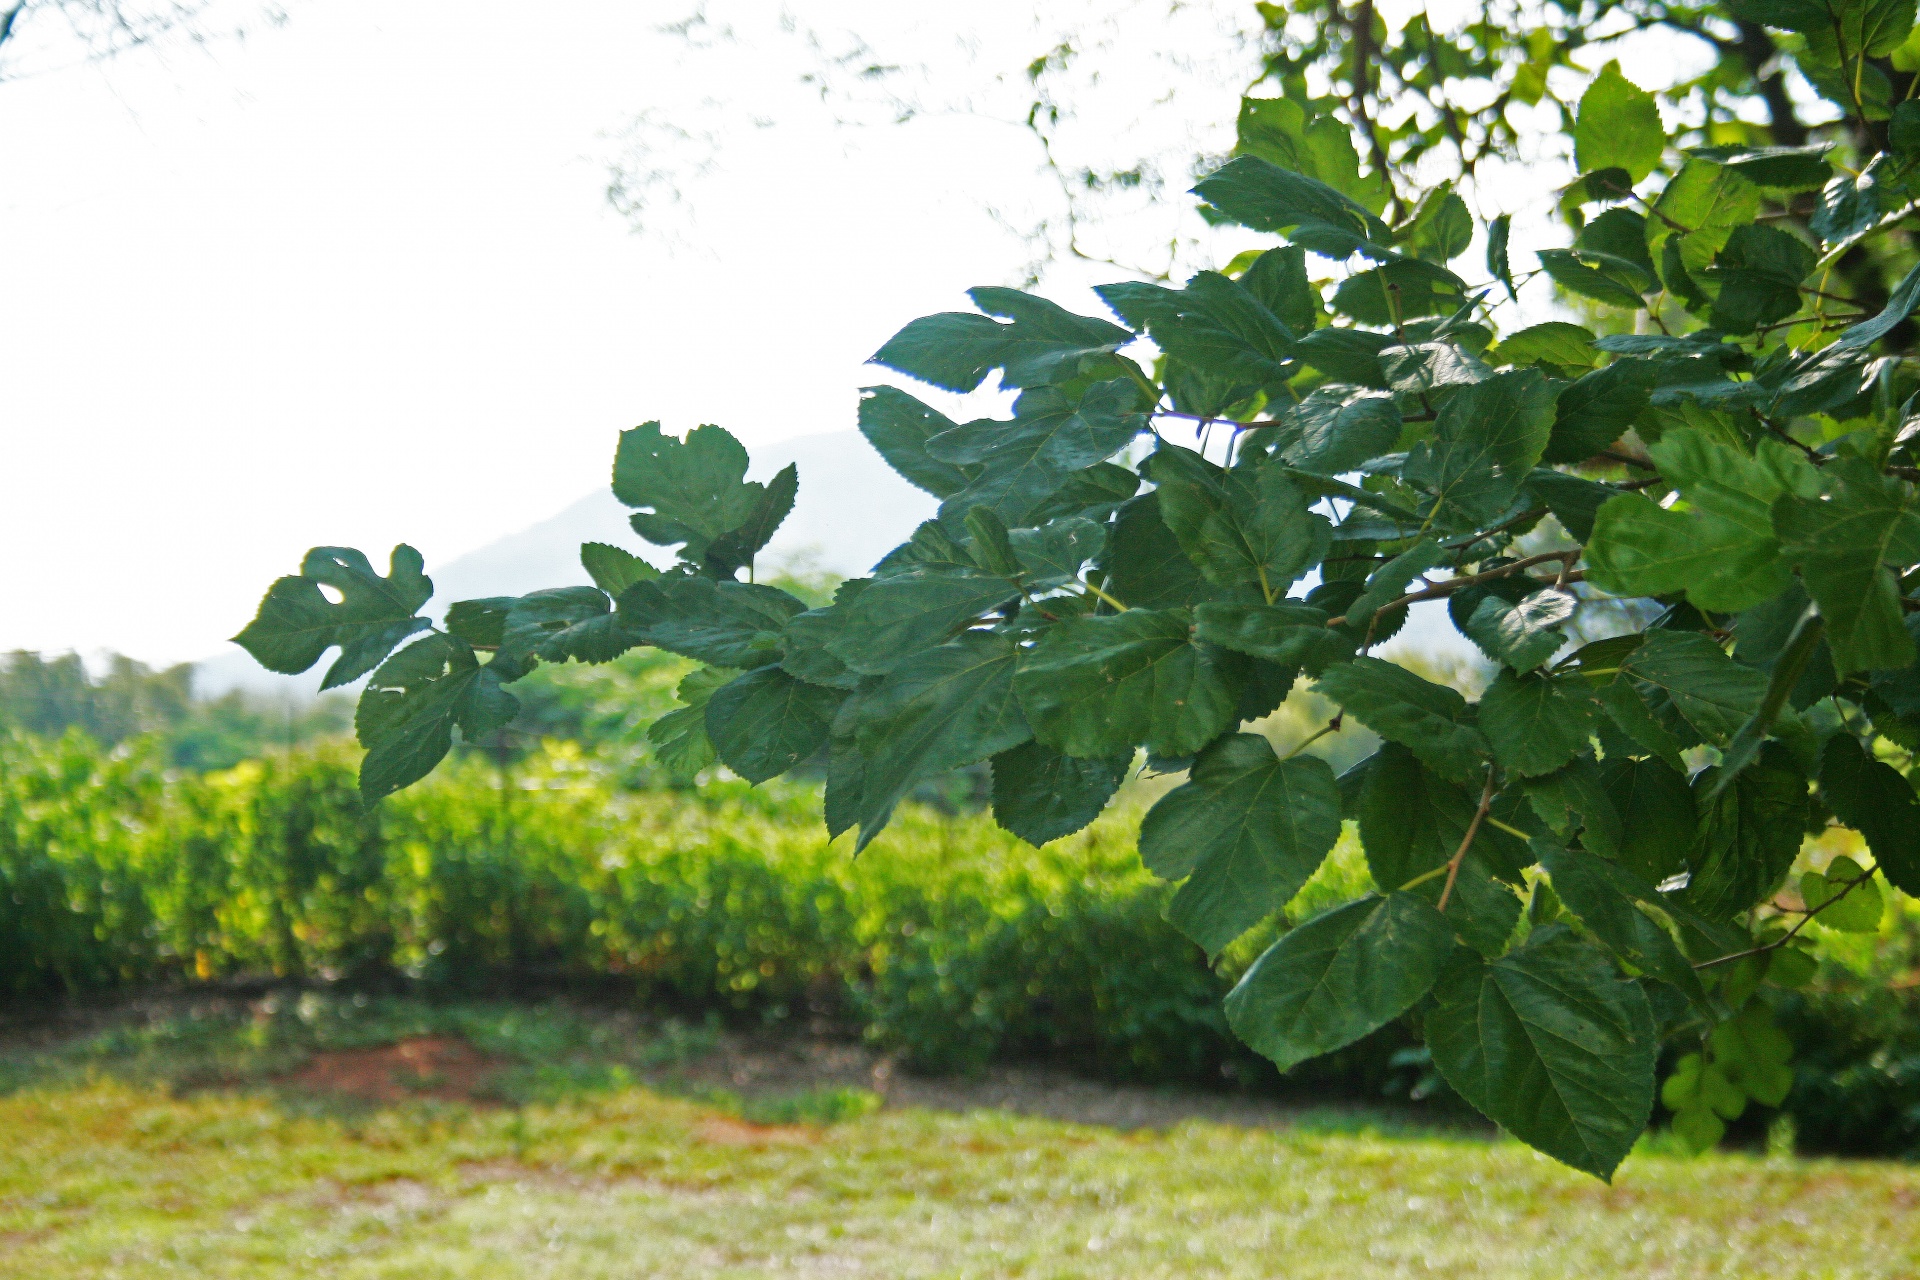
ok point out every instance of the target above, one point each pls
(1293, 635)
(481, 623)
(1846, 897)
(1872, 798)
(1145, 567)
(1535, 723)
(1602, 895)
(691, 491)
(1245, 832)
(1754, 1053)
(1550, 1045)
(1576, 797)
(1040, 344)
(1715, 694)
(1099, 686)
(1333, 431)
(1521, 634)
(566, 622)
(1557, 343)
(898, 427)
(1050, 430)
(297, 623)
(1427, 718)
(1399, 291)
(1598, 409)
(765, 722)
(1256, 194)
(1485, 442)
(1776, 170)
(1413, 822)
(735, 549)
(1602, 277)
(1906, 295)
(1215, 324)
(1618, 126)
(1096, 493)
(1053, 555)
(1748, 834)
(1441, 227)
(411, 706)
(1843, 544)
(613, 569)
(1339, 976)
(1499, 263)
(1245, 527)
(1657, 815)
(1347, 355)
(679, 738)
(804, 642)
(1390, 581)
(1723, 552)
(941, 709)
(1278, 278)
(1708, 200)
(723, 624)
(1041, 795)
(1758, 275)
(1574, 502)
(899, 615)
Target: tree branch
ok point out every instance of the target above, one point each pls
(1452, 585)
(1466, 841)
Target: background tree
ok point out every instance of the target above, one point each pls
(1242, 484)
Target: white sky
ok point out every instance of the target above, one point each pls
(356, 281)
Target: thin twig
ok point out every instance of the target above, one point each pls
(1452, 585)
(1466, 841)
(1787, 937)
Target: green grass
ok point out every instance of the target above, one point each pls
(120, 1161)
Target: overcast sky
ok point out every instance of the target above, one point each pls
(357, 279)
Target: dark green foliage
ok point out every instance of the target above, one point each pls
(1717, 471)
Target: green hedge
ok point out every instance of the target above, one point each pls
(948, 941)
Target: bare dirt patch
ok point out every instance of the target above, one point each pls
(426, 1067)
(725, 1131)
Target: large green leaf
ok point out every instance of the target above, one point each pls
(1390, 581)
(1843, 544)
(1715, 694)
(1041, 795)
(898, 427)
(1334, 430)
(693, 491)
(614, 569)
(806, 637)
(1339, 976)
(1293, 635)
(411, 706)
(1596, 410)
(1265, 197)
(724, 624)
(1245, 832)
(566, 622)
(1246, 527)
(679, 738)
(1602, 894)
(1657, 815)
(1486, 440)
(1099, 686)
(1748, 836)
(297, 623)
(1040, 343)
(1145, 566)
(1399, 291)
(941, 709)
(1723, 551)
(1575, 797)
(1215, 324)
(1523, 633)
(1428, 719)
(1535, 723)
(899, 615)
(1875, 800)
(1548, 1043)
(1050, 430)
(1618, 126)
(765, 722)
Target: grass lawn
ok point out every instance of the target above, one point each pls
(121, 1160)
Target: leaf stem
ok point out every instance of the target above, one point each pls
(1103, 596)
(1452, 585)
(1332, 726)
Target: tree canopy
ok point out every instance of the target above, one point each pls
(1207, 497)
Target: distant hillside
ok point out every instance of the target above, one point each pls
(852, 509)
